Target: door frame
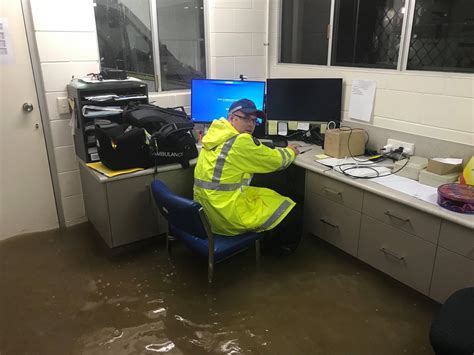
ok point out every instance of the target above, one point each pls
(41, 94)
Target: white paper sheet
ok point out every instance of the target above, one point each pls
(362, 99)
(304, 126)
(282, 128)
(451, 161)
(6, 48)
(410, 187)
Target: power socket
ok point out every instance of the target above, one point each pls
(408, 148)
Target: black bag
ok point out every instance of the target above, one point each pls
(123, 147)
(171, 140)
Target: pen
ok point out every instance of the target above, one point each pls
(304, 151)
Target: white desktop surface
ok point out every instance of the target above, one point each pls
(308, 161)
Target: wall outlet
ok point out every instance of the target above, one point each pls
(408, 148)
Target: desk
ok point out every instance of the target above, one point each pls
(121, 208)
(427, 247)
(420, 244)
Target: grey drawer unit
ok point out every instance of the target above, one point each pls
(334, 190)
(457, 238)
(332, 222)
(122, 210)
(451, 273)
(401, 255)
(402, 217)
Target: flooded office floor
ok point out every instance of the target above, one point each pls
(63, 293)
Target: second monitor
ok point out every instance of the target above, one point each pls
(310, 100)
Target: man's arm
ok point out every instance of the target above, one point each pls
(253, 157)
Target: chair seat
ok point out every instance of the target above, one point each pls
(452, 330)
(224, 246)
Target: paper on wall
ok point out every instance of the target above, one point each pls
(304, 126)
(6, 49)
(272, 128)
(292, 125)
(362, 99)
(282, 128)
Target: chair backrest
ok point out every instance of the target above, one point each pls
(182, 213)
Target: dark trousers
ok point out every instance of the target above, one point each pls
(286, 236)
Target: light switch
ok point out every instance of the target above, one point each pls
(61, 102)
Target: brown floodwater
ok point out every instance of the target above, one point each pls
(64, 293)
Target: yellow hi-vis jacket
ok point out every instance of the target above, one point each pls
(223, 172)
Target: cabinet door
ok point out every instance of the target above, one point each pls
(451, 273)
(132, 213)
(332, 222)
(457, 238)
(403, 256)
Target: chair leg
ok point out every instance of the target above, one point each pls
(257, 253)
(210, 271)
(168, 244)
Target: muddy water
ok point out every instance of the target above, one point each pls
(63, 293)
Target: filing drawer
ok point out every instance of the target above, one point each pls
(451, 273)
(457, 238)
(332, 222)
(401, 255)
(401, 216)
(334, 190)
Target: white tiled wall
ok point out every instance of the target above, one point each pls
(67, 44)
(436, 105)
(237, 34)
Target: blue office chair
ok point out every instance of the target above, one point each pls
(188, 222)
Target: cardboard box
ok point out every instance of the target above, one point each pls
(337, 142)
(443, 168)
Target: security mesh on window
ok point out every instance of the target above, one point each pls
(367, 33)
(442, 37)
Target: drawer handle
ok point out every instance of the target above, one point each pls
(332, 192)
(329, 223)
(390, 214)
(391, 253)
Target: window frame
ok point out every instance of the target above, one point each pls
(404, 49)
(152, 4)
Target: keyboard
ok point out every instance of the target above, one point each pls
(274, 141)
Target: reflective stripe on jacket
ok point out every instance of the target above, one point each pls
(222, 177)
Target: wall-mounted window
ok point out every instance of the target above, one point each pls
(436, 35)
(166, 49)
(442, 36)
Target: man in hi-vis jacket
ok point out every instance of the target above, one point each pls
(229, 157)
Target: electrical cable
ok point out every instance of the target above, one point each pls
(352, 166)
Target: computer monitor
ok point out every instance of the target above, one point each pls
(211, 99)
(314, 100)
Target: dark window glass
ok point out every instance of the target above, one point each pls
(124, 35)
(304, 31)
(367, 33)
(442, 37)
(181, 34)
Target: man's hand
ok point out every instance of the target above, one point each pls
(294, 148)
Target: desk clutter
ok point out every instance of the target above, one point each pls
(114, 123)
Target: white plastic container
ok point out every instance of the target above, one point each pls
(435, 180)
(413, 168)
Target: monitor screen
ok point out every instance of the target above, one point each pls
(317, 100)
(211, 99)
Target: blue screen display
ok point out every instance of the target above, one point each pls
(211, 99)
